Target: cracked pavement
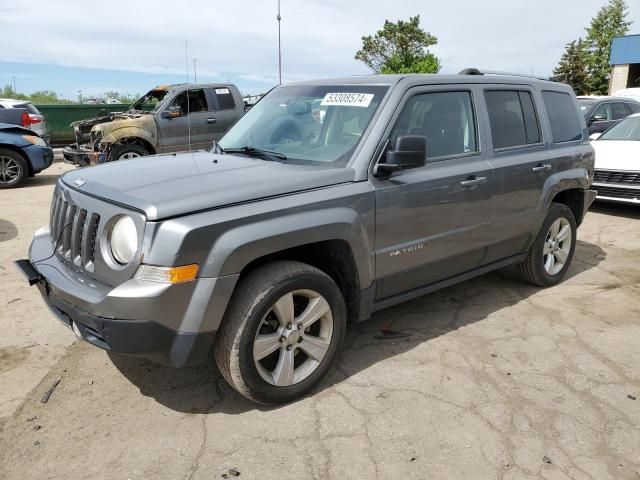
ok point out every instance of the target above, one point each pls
(497, 380)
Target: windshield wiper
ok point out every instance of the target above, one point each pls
(258, 152)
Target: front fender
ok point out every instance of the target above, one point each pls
(239, 246)
(118, 134)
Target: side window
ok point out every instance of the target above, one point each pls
(634, 107)
(225, 98)
(196, 102)
(619, 110)
(513, 118)
(563, 116)
(603, 111)
(445, 118)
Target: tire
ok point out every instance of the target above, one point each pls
(13, 169)
(535, 269)
(253, 314)
(130, 150)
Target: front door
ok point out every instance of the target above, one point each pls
(190, 131)
(432, 222)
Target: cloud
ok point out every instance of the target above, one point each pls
(320, 37)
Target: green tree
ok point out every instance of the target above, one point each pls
(610, 21)
(572, 68)
(400, 47)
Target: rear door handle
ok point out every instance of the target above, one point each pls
(541, 168)
(211, 120)
(473, 181)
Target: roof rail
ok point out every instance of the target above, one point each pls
(475, 71)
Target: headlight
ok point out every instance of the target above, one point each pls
(123, 240)
(35, 140)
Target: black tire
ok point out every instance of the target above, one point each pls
(126, 148)
(19, 170)
(533, 268)
(251, 302)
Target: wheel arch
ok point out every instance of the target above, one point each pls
(134, 135)
(18, 151)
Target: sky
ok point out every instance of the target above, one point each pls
(131, 45)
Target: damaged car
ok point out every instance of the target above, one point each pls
(167, 119)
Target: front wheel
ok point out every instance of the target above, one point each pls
(127, 151)
(13, 169)
(552, 251)
(281, 333)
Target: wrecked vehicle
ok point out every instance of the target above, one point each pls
(184, 117)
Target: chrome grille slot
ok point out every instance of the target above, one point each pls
(69, 220)
(614, 176)
(92, 233)
(76, 236)
(62, 216)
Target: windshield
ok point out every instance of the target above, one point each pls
(153, 97)
(627, 129)
(585, 104)
(311, 125)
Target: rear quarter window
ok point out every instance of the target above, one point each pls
(563, 116)
(225, 98)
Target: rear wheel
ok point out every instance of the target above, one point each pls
(13, 169)
(127, 151)
(281, 333)
(552, 251)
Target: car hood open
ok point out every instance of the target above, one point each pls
(166, 186)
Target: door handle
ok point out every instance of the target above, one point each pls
(541, 168)
(211, 120)
(473, 181)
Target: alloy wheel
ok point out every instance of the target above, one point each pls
(557, 246)
(9, 170)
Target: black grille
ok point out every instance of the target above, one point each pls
(74, 231)
(615, 176)
(625, 193)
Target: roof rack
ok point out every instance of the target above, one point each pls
(475, 71)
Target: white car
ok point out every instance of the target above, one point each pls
(617, 176)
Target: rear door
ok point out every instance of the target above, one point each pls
(521, 164)
(432, 221)
(191, 130)
(225, 114)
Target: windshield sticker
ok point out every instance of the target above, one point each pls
(347, 99)
(222, 91)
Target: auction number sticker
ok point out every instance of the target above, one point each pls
(222, 91)
(347, 99)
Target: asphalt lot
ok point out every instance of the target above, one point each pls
(496, 380)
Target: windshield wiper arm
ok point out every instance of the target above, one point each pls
(258, 152)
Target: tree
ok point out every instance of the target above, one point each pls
(610, 21)
(572, 68)
(400, 47)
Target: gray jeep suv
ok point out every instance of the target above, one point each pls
(327, 201)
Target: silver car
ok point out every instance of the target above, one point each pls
(33, 120)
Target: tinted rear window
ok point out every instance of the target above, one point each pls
(225, 99)
(513, 118)
(563, 116)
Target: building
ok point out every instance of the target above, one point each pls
(625, 63)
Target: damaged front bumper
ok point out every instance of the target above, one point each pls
(83, 155)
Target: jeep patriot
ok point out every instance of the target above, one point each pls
(327, 201)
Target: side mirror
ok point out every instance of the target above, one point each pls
(595, 136)
(409, 151)
(174, 111)
(597, 118)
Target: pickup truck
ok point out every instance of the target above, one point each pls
(329, 200)
(184, 117)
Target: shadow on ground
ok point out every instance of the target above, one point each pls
(41, 180)
(8, 230)
(616, 209)
(203, 390)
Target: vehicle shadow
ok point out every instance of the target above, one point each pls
(616, 209)
(8, 230)
(203, 390)
(41, 180)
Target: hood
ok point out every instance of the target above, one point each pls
(17, 129)
(83, 127)
(165, 186)
(617, 154)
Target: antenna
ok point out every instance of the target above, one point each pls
(195, 74)
(186, 64)
(279, 18)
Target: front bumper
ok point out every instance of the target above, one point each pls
(613, 192)
(39, 157)
(170, 324)
(82, 156)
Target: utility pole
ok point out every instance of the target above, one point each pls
(186, 59)
(279, 47)
(15, 90)
(195, 74)
(80, 95)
